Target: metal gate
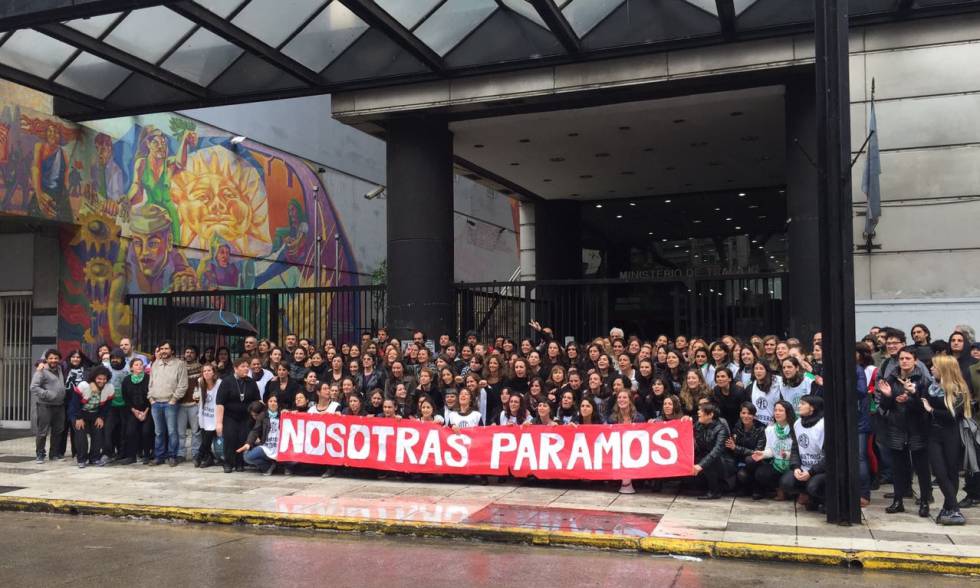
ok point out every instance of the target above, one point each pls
(15, 360)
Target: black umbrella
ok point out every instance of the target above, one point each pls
(218, 322)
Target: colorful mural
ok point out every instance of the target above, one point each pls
(162, 204)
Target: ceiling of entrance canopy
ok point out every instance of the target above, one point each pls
(103, 58)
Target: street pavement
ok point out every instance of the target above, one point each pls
(58, 550)
(593, 509)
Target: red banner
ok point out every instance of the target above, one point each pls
(588, 452)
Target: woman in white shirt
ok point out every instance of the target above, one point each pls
(764, 391)
(465, 415)
(795, 383)
(208, 383)
(326, 402)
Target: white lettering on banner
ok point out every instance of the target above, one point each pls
(631, 437)
(431, 448)
(501, 443)
(353, 452)
(293, 436)
(608, 444)
(405, 444)
(525, 452)
(315, 431)
(580, 451)
(667, 445)
(383, 432)
(551, 444)
(335, 432)
(461, 444)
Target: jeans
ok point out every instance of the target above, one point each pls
(50, 421)
(864, 470)
(139, 436)
(944, 447)
(187, 418)
(165, 430)
(256, 457)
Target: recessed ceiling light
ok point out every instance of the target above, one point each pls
(738, 228)
(650, 233)
(664, 239)
(667, 201)
(677, 246)
(619, 216)
(696, 221)
(603, 154)
(753, 206)
(755, 240)
(772, 257)
(762, 216)
(717, 209)
(741, 194)
(632, 203)
(598, 206)
(728, 218)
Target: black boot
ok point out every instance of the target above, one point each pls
(896, 506)
(924, 510)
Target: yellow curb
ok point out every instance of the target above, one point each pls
(876, 560)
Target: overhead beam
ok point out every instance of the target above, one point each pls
(558, 25)
(377, 18)
(237, 36)
(726, 15)
(48, 87)
(105, 51)
(19, 14)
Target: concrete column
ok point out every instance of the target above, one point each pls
(420, 227)
(558, 240)
(528, 254)
(801, 204)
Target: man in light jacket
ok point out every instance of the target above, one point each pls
(168, 382)
(48, 393)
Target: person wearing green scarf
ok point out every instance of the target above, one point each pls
(774, 460)
(136, 413)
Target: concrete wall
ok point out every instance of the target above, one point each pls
(484, 229)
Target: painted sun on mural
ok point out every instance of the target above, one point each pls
(162, 204)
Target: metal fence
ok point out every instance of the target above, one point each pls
(340, 313)
(16, 363)
(584, 309)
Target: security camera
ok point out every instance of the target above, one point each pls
(377, 192)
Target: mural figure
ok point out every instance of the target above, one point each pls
(152, 262)
(50, 170)
(289, 242)
(153, 170)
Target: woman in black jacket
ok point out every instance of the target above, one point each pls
(906, 430)
(137, 422)
(713, 465)
(947, 402)
(748, 436)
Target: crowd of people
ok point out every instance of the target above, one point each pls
(756, 405)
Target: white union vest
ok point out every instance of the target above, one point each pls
(810, 443)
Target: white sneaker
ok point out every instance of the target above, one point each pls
(627, 489)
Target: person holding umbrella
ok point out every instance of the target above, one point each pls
(235, 394)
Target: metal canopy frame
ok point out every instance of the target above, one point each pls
(340, 26)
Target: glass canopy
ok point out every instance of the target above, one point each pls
(99, 62)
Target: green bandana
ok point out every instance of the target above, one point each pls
(782, 434)
(136, 379)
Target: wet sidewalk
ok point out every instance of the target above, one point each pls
(540, 512)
